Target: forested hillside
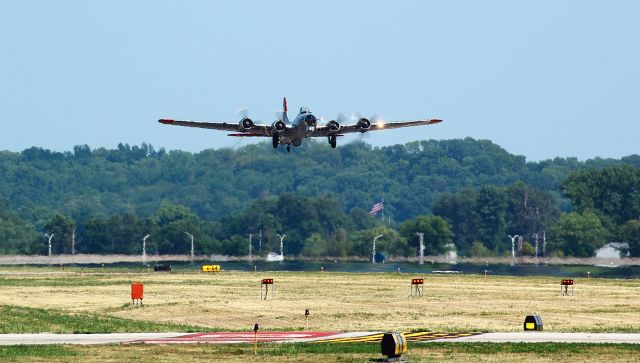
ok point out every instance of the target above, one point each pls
(222, 194)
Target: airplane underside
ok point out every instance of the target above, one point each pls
(279, 139)
(284, 140)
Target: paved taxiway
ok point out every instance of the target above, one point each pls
(542, 337)
(297, 337)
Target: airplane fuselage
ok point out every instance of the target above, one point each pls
(298, 129)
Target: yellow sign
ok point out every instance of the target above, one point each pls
(530, 326)
(211, 268)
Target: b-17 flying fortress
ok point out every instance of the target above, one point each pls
(304, 125)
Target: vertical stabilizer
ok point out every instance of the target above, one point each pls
(285, 118)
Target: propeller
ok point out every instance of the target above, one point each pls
(278, 114)
(243, 112)
(377, 120)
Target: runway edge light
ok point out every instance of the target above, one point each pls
(533, 323)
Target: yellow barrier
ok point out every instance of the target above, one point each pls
(211, 268)
(393, 345)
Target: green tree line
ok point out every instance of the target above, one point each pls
(469, 192)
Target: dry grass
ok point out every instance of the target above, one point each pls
(486, 352)
(338, 301)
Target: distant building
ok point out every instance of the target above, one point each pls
(614, 250)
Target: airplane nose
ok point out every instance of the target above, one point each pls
(311, 120)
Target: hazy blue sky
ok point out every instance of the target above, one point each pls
(540, 78)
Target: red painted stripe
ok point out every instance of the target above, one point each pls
(238, 337)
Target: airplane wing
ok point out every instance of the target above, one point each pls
(256, 130)
(346, 129)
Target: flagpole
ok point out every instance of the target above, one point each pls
(382, 202)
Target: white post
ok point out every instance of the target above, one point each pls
(373, 252)
(50, 237)
(192, 251)
(250, 257)
(144, 249)
(73, 241)
(282, 245)
(544, 243)
(421, 235)
(513, 245)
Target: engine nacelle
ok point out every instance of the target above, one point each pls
(333, 126)
(246, 124)
(278, 126)
(363, 124)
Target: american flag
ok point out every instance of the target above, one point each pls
(376, 208)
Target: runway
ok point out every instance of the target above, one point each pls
(318, 337)
(547, 337)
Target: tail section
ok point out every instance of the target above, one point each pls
(285, 117)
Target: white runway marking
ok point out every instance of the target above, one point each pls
(543, 337)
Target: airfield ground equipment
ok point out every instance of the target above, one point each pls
(137, 293)
(393, 345)
(255, 338)
(533, 323)
(264, 288)
(306, 319)
(211, 268)
(161, 267)
(417, 288)
(564, 287)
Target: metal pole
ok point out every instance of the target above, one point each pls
(144, 249)
(250, 236)
(373, 253)
(50, 237)
(513, 245)
(421, 235)
(192, 251)
(73, 241)
(282, 245)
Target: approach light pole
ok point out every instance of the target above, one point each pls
(144, 249)
(513, 245)
(73, 241)
(373, 252)
(250, 256)
(281, 245)
(50, 237)
(421, 236)
(190, 236)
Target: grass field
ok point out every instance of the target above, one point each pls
(337, 301)
(361, 352)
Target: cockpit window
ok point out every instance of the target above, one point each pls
(304, 110)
